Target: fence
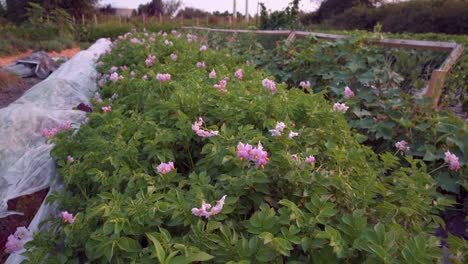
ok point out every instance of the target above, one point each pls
(437, 80)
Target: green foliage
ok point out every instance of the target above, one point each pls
(285, 19)
(385, 110)
(346, 208)
(417, 16)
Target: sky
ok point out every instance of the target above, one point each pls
(221, 5)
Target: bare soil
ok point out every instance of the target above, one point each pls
(4, 61)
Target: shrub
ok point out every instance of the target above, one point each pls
(348, 205)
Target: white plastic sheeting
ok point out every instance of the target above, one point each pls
(25, 163)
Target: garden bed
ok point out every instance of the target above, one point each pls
(178, 125)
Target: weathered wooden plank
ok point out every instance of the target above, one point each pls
(452, 58)
(415, 44)
(436, 85)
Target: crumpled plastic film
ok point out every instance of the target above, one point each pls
(25, 163)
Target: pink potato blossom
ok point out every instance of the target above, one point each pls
(114, 77)
(149, 61)
(164, 168)
(278, 129)
(70, 159)
(267, 83)
(13, 245)
(239, 74)
(16, 241)
(205, 207)
(203, 48)
(452, 160)
(201, 64)
(247, 63)
(201, 132)
(165, 77)
(310, 160)
(49, 133)
(65, 125)
(132, 74)
(212, 74)
(221, 86)
(293, 134)
(106, 109)
(348, 93)
(305, 84)
(244, 152)
(174, 57)
(97, 97)
(295, 157)
(338, 107)
(168, 43)
(67, 217)
(113, 69)
(402, 146)
(145, 77)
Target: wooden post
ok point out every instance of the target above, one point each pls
(198, 22)
(82, 20)
(436, 85)
(182, 20)
(160, 18)
(73, 20)
(229, 18)
(207, 20)
(48, 19)
(95, 20)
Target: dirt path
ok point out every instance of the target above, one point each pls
(4, 61)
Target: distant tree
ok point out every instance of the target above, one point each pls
(107, 10)
(190, 12)
(153, 8)
(288, 18)
(330, 8)
(171, 6)
(16, 9)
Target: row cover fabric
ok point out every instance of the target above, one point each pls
(25, 162)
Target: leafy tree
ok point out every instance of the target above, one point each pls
(190, 12)
(170, 7)
(329, 8)
(287, 18)
(153, 8)
(107, 9)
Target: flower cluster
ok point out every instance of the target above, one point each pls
(310, 160)
(267, 83)
(280, 126)
(239, 74)
(174, 57)
(149, 61)
(203, 48)
(402, 146)
(67, 217)
(168, 43)
(221, 86)
(51, 132)
(191, 38)
(348, 93)
(201, 64)
(201, 132)
(16, 241)
(166, 167)
(163, 77)
(257, 155)
(212, 74)
(114, 77)
(106, 109)
(452, 160)
(338, 107)
(305, 84)
(203, 210)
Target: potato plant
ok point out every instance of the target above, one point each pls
(192, 155)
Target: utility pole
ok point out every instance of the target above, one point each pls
(234, 13)
(247, 10)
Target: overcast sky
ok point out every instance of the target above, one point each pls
(220, 5)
